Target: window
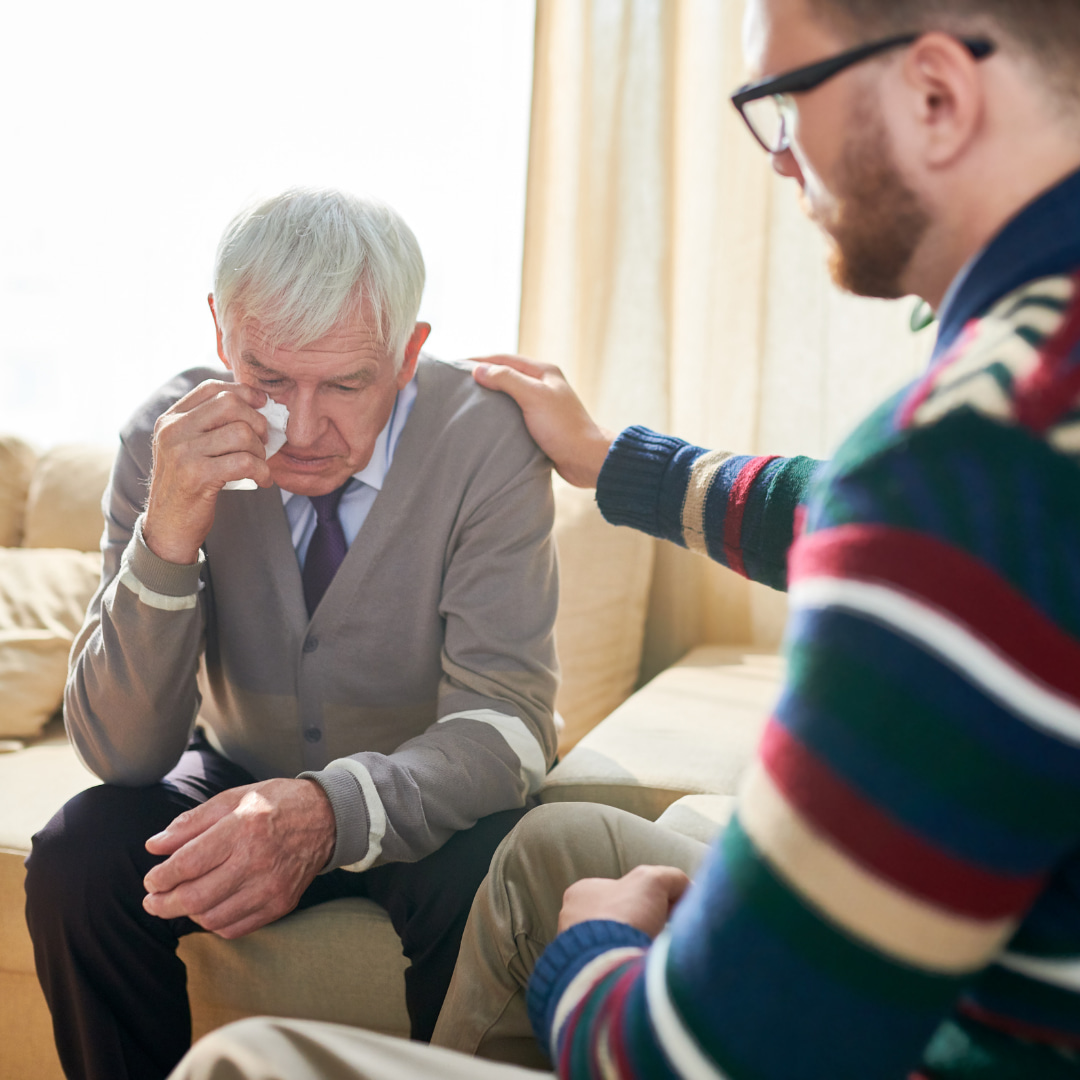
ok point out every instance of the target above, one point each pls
(133, 132)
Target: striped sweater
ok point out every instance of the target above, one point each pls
(898, 894)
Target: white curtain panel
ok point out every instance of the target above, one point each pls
(676, 279)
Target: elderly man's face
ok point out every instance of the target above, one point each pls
(339, 391)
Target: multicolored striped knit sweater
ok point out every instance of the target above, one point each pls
(899, 891)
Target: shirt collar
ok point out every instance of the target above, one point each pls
(1041, 241)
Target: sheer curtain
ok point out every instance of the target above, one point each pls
(675, 279)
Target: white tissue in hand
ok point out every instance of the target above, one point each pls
(277, 419)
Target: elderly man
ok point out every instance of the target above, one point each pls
(897, 893)
(337, 684)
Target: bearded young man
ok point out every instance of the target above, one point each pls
(896, 895)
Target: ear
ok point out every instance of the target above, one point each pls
(220, 336)
(947, 99)
(412, 353)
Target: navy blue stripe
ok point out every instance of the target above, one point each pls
(717, 502)
(755, 532)
(737, 984)
(1041, 241)
(942, 821)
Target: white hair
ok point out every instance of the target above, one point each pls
(306, 260)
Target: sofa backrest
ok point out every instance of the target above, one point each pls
(53, 500)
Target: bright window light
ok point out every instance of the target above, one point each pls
(134, 131)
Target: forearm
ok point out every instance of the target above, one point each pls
(738, 510)
(402, 806)
(131, 694)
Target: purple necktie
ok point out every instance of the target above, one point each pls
(326, 549)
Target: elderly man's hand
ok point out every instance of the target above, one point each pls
(642, 898)
(243, 858)
(554, 415)
(210, 436)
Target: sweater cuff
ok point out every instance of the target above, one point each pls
(630, 485)
(355, 847)
(156, 575)
(563, 959)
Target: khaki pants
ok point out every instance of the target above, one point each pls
(515, 913)
(512, 920)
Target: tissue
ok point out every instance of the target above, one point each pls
(277, 419)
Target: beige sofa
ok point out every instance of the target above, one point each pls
(672, 751)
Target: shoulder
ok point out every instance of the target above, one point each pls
(462, 418)
(1016, 366)
(1011, 377)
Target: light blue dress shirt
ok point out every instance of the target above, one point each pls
(365, 485)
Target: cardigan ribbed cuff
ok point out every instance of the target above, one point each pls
(629, 488)
(157, 574)
(564, 958)
(350, 816)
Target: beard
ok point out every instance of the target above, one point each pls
(878, 221)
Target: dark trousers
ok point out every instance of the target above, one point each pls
(111, 976)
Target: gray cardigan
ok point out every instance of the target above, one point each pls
(420, 693)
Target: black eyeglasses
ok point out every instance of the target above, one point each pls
(768, 108)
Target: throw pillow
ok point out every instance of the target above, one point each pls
(43, 598)
(16, 468)
(63, 508)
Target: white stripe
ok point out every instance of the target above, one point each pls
(679, 1046)
(156, 599)
(584, 981)
(1033, 701)
(530, 754)
(375, 808)
(1063, 973)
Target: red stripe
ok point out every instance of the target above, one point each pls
(1052, 388)
(880, 843)
(613, 1011)
(1020, 1028)
(925, 386)
(738, 496)
(964, 588)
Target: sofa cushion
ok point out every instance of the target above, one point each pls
(63, 508)
(43, 598)
(604, 574)
(16, 469)
(692, 730)
(701, 817)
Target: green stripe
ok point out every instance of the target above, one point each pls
(1048, 303)
(820, 943)
(902, 723)
(964, 1050)
(1034, 337)
(583, 1033)
(1060, 1007)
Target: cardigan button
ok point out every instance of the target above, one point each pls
(313, 734)
(311, 644)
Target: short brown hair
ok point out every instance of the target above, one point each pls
(1047, 30)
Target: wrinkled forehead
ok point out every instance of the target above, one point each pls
(351, 340)
(358, 323)
(779, 35)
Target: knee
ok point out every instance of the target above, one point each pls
(234, 1052)
(93, 845)
(551, 833)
